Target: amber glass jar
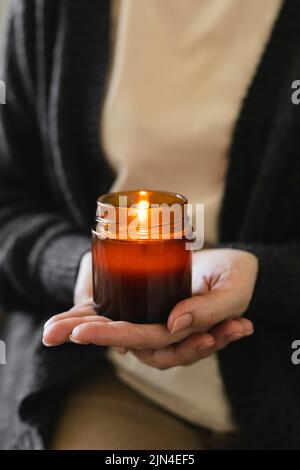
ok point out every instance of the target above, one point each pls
(140, 274)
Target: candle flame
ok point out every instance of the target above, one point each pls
(143, 205)
(142, 208)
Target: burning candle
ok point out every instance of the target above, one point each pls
(141, 267)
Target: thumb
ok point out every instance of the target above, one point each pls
(204, 311)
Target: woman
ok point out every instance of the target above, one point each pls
(172, 78)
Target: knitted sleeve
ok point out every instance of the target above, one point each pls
(40, 249)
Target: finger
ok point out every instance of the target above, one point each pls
(127, 335)
(204, 311)
(230, 327)
(197, 346)
(188, 351)
(230, 331)
(77, 311)
(59, 331)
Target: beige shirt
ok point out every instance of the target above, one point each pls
(180, 72)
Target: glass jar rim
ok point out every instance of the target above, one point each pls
(173, 197)
(158, 219)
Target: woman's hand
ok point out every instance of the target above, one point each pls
(223, 283)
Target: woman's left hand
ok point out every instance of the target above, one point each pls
(223, 283)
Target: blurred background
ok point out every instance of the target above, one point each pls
(3, 6)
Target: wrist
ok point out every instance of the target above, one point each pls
(81, 290)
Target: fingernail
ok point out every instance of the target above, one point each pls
(121, 350)
(182, 322)
(249, 332)
(206, 345)
(47, 323)
(75, 340)
(73, 335)
(76, 331)
(234, 337)
(45, 343)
